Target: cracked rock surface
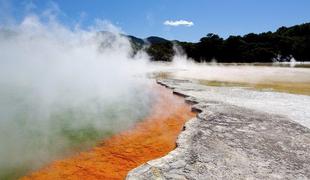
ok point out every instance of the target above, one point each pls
(230, 141)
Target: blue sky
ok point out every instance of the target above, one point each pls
(144, 18)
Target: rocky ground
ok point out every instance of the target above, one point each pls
(236, 140)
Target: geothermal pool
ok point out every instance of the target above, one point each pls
(150, 138)
(33, 133)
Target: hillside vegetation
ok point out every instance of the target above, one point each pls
(282, 45)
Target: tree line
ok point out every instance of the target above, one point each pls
(282, 45)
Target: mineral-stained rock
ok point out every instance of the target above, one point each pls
(226, 141)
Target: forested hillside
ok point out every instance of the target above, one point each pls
(281, 45)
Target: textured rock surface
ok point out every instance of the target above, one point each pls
(226, 141)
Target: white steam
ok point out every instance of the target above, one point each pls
(62, 88)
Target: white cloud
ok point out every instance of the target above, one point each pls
(179, 23)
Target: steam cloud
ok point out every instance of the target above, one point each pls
(63, 88)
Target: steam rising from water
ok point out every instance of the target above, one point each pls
(62, 89)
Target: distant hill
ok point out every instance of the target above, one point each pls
(159, 49)
(156, 40)
(148, 40)
(136, 40)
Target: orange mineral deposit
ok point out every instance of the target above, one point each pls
(151, 138)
